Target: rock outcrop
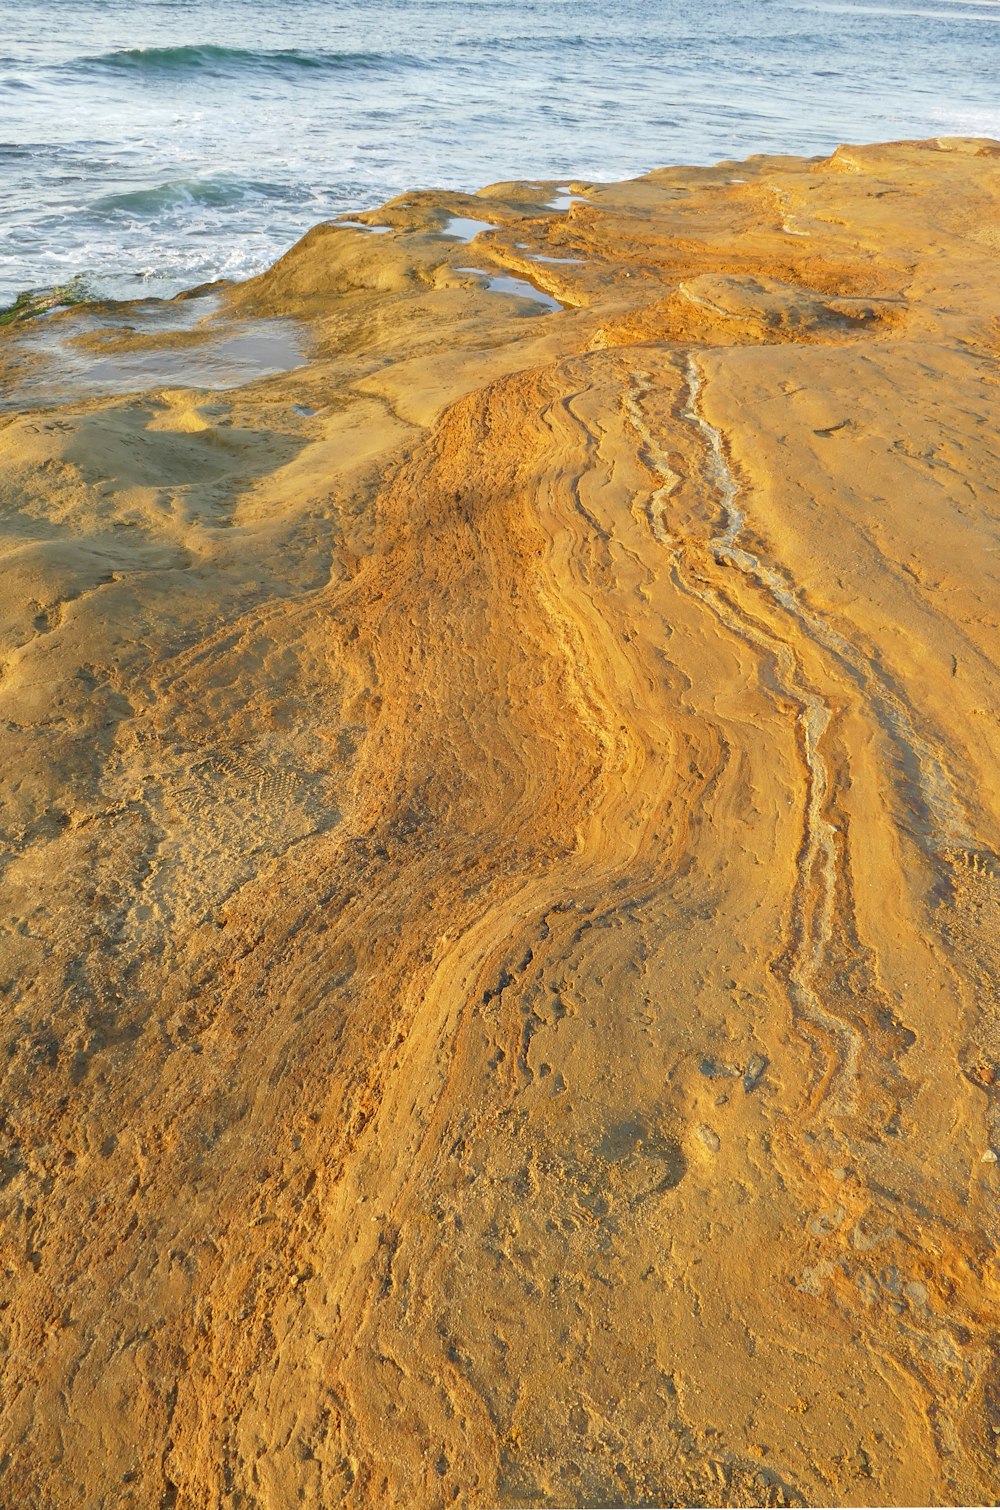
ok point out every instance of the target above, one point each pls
(500, 881)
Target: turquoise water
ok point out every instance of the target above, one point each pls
(150, 145)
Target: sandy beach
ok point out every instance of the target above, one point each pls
(500, 857)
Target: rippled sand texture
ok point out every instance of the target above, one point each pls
(501, 885)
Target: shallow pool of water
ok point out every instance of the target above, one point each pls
(520, 288)
(463, 228)
(87, 353)
(359, 225)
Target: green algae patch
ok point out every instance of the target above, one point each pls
(32, 302)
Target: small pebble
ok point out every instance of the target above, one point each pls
(989, 1157)
(754, 1074)
(715, 1071)
(709, 1137)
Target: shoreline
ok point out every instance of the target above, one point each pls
(424, 218)
(502, 856)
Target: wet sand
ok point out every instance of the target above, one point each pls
(501, 881)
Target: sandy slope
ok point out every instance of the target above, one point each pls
(500, 881)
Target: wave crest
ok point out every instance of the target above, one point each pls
(207, 57)
(183, 193)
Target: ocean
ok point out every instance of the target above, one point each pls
(150, 145)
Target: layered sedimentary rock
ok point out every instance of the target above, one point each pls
(499, 877)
